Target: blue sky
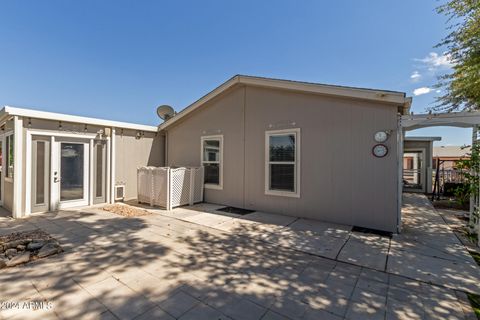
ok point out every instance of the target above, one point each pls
(120, 59)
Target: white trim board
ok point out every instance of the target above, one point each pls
(35, 114)
(220, 139)
(465, 119)
(17, 167)
(28, 160)
(394, 98)
(296, 163)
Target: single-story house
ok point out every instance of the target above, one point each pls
(447, 156)
(51, 161)
(310, 150)
(445, 161)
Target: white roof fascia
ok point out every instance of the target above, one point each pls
(391, 97)
(35, 114)
(350, 92)
(215, 92)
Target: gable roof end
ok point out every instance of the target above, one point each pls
(390, 97)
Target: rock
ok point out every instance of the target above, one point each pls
(35, 245)
(19, 259)
(10, 252)
(3, 263)
(48, 249)
(15, 243)
(21, 247)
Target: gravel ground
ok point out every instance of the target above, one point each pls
(125, 210)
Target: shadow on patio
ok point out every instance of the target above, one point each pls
(158, 267)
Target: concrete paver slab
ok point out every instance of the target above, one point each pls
(428, 250)
(321, 227)
(325, 246)
(207, 219)
(258, 267)
(366, 250)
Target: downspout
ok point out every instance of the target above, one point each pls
(165, 153)
(244, 144)
(112, 166)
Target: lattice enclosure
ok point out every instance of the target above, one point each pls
(170, 187)
(197, 185)
(180, 186)
(159, 190)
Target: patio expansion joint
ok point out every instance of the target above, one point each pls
(341, 248)
(287, 225)
(388, 253)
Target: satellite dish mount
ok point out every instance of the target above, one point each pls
(165, 112)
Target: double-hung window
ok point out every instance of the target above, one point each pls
(282, 162)
(212, 161)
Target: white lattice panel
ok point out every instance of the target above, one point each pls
(197, 184)
(180, 186)
(169, 187)
(160, 187)
(144, 184)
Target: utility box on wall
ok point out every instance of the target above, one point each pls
(170, 187)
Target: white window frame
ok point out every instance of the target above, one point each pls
(9, 176)
(296, 163)
(202, 161)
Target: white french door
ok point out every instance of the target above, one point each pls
(70, 173)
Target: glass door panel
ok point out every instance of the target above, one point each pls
(72, 165)
(40, 179)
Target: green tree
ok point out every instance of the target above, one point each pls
(462, 85)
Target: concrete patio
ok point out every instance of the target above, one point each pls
(198, 263)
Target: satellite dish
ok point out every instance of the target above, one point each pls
(165, 112)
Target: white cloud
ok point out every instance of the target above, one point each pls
(415, 76)
(422, 90)
(438, 91)
(435, 61)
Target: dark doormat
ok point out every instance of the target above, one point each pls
(239, 211)
(373, 231)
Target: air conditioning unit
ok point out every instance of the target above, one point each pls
(119, 192)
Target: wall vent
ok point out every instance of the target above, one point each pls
(119, 192)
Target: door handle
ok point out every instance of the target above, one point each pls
(55, 179)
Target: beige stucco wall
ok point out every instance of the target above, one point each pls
(223, 116)
(8, 195)
(132, 153)
(340, 179)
